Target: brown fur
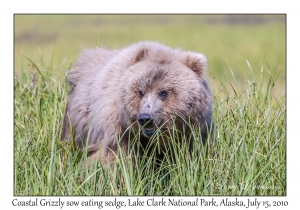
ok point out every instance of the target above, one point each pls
(110, 89)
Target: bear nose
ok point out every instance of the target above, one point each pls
(145, 120)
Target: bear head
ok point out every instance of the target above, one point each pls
(162, 87)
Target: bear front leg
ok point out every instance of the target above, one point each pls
(108, 153)
(112, 151)
(95, 156)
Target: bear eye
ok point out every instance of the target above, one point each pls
(141, 94)
(163, 93)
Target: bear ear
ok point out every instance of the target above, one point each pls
(196, 62)
(141, 55)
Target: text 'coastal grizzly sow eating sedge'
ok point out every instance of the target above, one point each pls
(123, 98)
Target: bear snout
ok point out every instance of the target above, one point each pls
(147, 123)
(146, 120)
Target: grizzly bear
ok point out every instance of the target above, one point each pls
(145, 89)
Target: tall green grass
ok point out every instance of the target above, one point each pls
(248, 156)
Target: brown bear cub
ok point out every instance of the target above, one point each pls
(141, 90)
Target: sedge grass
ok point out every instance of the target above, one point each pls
(247, 157)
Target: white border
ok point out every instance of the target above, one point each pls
(8, 8)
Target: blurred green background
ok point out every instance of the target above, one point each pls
(240, 43)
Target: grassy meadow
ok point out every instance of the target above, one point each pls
(246, 71)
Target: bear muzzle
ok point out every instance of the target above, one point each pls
(147, 123)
